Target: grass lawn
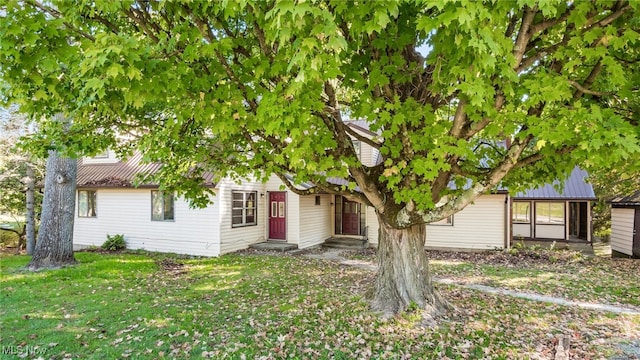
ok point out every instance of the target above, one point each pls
(149, 306)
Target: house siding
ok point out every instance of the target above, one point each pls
(480, 226)
(128, 212)
(238, 238)
(372, 225)
(293, 219)
(622, 230)
(317, 226)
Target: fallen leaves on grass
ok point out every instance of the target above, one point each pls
(272, 307)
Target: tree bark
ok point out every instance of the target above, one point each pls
(54, 247)
(30, 217)
(403, 277)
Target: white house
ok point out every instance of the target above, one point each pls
(251, 212)
(625, 226)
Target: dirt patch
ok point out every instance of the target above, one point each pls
(171, 266)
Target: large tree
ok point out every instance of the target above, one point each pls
(54, 245)
(264, 87)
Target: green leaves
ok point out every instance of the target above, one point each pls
(244, 87)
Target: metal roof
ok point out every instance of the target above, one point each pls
(121, 174)
(574, 187)
(630, 200)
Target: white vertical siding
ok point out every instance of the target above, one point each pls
(128, 212)
(238, 238)
(622, 230)
(372, 224)
(293, 218)
(367, 157)
(478, 226)
(315, 220)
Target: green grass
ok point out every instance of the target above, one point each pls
(148, 306)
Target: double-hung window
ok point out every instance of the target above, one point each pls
(161, 206)
(244, 208)
(87, 203)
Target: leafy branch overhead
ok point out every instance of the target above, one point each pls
(239, 87)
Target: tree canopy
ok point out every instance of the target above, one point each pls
(237, 87)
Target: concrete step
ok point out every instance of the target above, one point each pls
(274, 246)
(345, 243)
(343, 246)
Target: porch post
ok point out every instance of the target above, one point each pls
(589, 224)
(567, 218)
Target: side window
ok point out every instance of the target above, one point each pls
(101, 155)
(161, 206)
(550, 213)
(521, 212)
(87, 203)
(244, 208)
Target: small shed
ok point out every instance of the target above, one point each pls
(625, 226)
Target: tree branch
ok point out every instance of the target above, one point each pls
(56, 14)
(583, 90)
(362, 138)
(534, 158)
(524, 36)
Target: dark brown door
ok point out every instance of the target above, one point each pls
(636, 235)
(277, 215)
(350, 217)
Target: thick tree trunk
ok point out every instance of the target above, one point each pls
(403, 276)
(30, 217)
(54, 247)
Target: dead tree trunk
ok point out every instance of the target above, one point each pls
(403, 276)
(54, 247)
(30, 217)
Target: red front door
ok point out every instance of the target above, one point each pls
(277, 217)
(350, 217)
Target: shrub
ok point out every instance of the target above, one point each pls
(114, 242)
(8, 238)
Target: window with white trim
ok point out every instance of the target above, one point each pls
(101, 155)
(87, 203)
(244, 209)
(161, 206)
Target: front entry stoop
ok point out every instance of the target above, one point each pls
(274, 246)
(345, 243)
